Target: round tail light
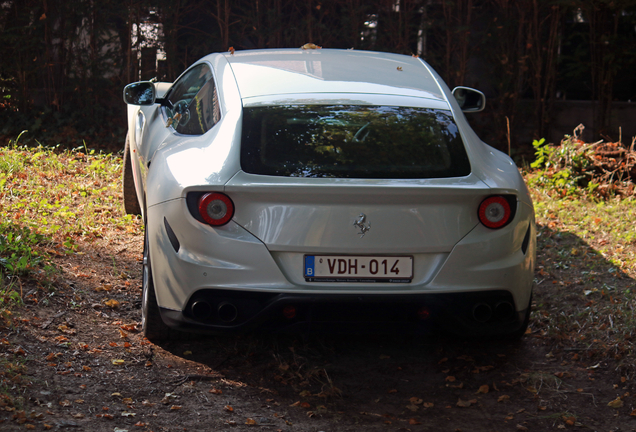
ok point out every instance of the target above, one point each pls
(494, 212)
(216, 208)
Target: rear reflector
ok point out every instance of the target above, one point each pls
(424, 313)
(289, 312)
(494, 212)
(216, 208)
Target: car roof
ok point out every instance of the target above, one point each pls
(272, 72)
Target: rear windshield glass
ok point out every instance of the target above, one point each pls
(346, 141)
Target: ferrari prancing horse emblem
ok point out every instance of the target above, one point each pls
(360, 223)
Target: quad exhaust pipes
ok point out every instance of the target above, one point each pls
(504, 311)
(482, 312)
(201, 309)
(226, 311)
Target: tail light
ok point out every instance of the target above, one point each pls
(216, 208)
(495, 212)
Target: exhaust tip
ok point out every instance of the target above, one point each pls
(504, 311)
(482, 312)
(201, 309)
(227, 312)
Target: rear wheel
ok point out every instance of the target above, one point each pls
(518, 334)
(152, 325)
(131, 203)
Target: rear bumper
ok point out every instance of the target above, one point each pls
(222, 311)
(193, 262)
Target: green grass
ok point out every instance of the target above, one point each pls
(51, 201)
(586, 270)
(54, 202)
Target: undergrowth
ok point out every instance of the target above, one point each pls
(575, 168)
(53, 199)
(50, 200)
(586, 258)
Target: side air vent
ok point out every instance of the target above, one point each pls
(174, 241)
(526, 242)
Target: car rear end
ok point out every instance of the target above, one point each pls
(352, 211)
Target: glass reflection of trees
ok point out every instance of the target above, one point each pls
(352, 142)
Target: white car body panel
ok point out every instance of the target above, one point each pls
(279, 220)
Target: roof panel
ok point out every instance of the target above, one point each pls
(291, 71)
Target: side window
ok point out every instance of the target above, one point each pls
(195, 103)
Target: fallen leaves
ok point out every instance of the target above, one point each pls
(465, 404)
(168, 397)
(66, 330)
(616, 403)
(479, 369)
(569, 420)
(413, 407)
(112, 303)
(483, 389)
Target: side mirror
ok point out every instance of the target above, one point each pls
(140, 93)
(469, 100)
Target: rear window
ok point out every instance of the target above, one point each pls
(345, 141)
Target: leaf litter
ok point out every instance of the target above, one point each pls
(347, 374)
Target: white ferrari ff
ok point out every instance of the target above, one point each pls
(295, 189)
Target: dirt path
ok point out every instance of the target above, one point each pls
(74, 361)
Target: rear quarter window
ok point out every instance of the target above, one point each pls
(352, 142)
(194, 102)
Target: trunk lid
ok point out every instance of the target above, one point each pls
(356, 216)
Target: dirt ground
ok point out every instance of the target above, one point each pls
(75, 361)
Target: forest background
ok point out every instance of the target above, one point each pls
(64, 64)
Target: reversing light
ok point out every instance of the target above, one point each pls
(494, 212)
(216, 208)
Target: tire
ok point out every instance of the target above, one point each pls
(518, 334)
(152, 326)
(131, 203)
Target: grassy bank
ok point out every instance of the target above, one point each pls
(50, 201)
(53, 200)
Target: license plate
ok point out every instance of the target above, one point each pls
(347, 268)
